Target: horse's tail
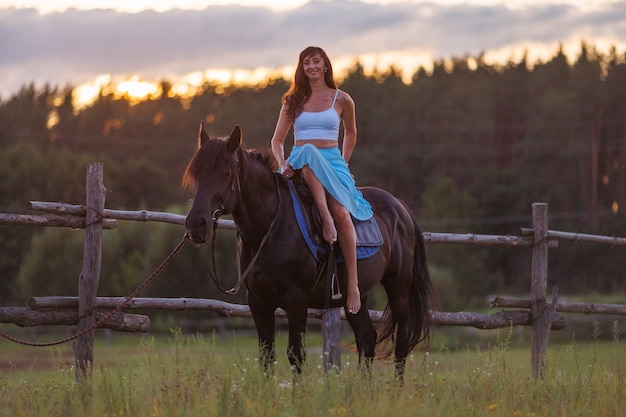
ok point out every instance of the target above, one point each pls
(421, 298)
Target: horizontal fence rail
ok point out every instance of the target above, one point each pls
(72, 215)
(580, 237)
(29, 317)
(73, 211)
(480, 321)
(583, 307)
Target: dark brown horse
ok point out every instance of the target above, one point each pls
(228, 179)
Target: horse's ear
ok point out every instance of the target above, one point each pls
(202, 135)
(234, 142)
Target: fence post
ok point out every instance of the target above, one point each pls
(331, 331)
(90, 274)
(542, 319)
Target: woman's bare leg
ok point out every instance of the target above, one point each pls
(319, 196)
(337, 226)
(347, 243)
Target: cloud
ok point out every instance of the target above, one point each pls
(74, 46)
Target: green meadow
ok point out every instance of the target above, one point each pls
(179, 375)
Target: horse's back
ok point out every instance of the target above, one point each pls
(385, 205)
(399, 229)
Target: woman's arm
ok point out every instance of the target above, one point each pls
(278, 139)
(348, 117)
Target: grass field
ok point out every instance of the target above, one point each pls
(206, 376)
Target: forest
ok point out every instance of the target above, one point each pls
(468, 146)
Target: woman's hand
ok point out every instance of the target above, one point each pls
(286, 170)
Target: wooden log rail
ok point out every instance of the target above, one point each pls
(579, 237)
(53, 220)
(73, 216)
(145, 216)
(138, 215)
(583, 307)
(480, 321)
(478, 240)
(26, 317)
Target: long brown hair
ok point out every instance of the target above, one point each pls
(300, 90)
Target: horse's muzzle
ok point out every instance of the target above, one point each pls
(198, 228)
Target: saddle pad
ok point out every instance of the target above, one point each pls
(369, 237)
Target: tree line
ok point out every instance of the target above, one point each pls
(468, 146)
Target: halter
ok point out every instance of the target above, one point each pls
(235, 179)
(218, 213)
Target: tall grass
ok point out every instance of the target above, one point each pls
(195, 376)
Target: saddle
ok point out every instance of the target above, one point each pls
(368, 235)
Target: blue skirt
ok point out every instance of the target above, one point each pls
(332, 171)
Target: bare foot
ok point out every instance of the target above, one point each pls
(329, 230)
(353, 304)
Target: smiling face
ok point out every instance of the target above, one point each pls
(314, 66)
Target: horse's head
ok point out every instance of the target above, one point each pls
(214, 178)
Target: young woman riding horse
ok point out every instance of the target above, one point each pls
(281, 270)
(316, 107)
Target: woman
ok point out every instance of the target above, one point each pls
(316, 107)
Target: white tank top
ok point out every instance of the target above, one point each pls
(318, 125)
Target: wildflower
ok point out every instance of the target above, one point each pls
(340, 411)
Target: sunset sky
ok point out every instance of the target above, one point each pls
(140, 41)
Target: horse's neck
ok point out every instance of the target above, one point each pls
(259, 203)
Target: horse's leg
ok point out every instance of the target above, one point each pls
(264, 322)
(399, 306)
(364, 335)
(296, 309)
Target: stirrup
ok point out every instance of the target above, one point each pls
(334, 289)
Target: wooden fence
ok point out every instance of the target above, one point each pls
(81, 311)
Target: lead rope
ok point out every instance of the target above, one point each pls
(108, 316)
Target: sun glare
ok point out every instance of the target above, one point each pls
(136, 91)
(85, 94)
(133, 89)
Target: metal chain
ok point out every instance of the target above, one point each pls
(108, 316)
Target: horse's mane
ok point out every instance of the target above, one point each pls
(264, 156)
(206, 157)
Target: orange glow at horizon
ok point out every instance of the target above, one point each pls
(85, 94)
(137, 91)
(406, 63)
